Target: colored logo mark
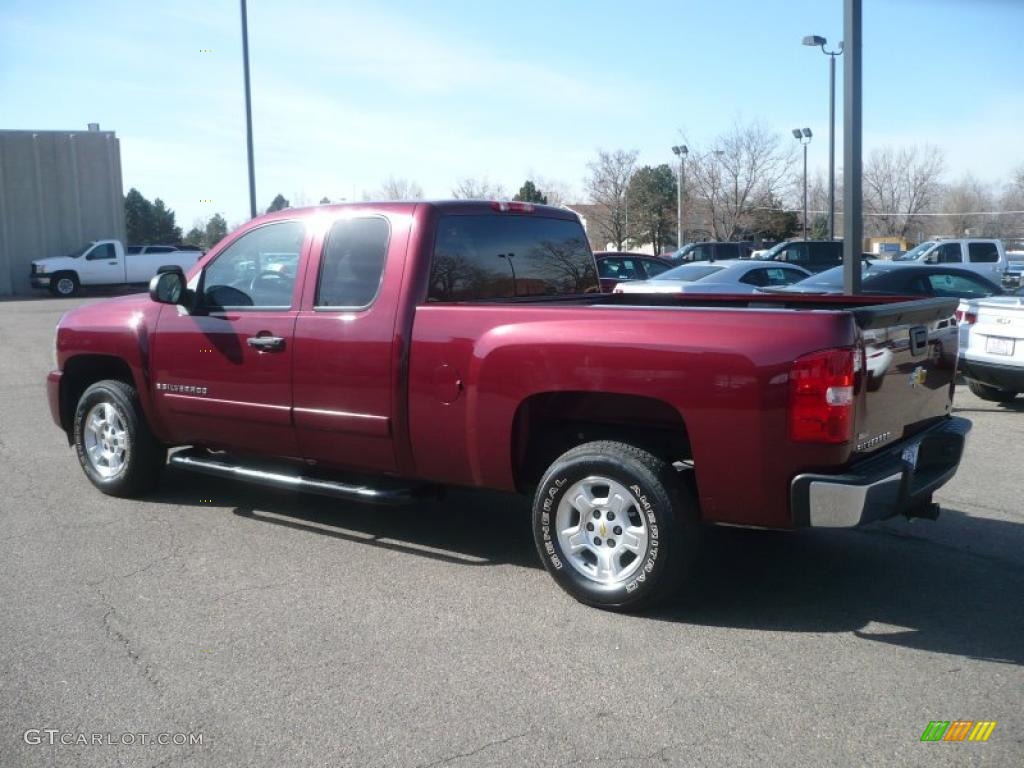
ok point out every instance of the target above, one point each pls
(958, 730)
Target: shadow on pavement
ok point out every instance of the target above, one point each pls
(880, 582)
(888, 583)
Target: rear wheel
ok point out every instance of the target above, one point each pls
(115, 447)
(990, 393)
(615, 526)
(64, 284)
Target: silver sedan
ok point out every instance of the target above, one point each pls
(732, 276)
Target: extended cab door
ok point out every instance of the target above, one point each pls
(102, 265)
(346, 354)
(985, 259)
(223, 375)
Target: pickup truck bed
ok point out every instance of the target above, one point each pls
(467, 343)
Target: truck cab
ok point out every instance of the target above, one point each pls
(986, 257)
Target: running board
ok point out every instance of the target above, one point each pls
(231, 467)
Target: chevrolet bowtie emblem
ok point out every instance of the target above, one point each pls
(917, 378)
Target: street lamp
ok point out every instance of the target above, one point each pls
(508, 257)
(681, 151)
(248, 111)
(803, 135)
(816, 41)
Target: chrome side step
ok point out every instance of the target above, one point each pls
(231, 467)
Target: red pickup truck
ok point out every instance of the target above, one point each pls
(379, 352)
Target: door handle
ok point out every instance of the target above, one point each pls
(266, 343)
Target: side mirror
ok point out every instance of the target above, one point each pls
(168, 286)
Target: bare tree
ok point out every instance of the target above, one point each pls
(397, 189)
(1012, 224)
(745, 165)
(898, 185)
(967, 203)
(606, 185)
(478, 189)
(558, 192)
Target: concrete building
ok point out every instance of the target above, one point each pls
(58, 191)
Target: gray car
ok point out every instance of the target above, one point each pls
(731, 276)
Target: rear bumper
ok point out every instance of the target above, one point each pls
(901, 480)
(53, 396)
(1002, 376)
(40, 281)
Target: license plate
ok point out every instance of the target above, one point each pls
(996, 345)
(910, 454)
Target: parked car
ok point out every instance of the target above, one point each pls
(134, 249)
(614, 267)
(901, 279)
(731, 276)
(712, 251)
(992, 346)
(1012, 277)
(985, 257)
(418, 354)
(812, 255)
(104, 262)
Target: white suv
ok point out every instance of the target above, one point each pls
(992, 346)
(985, 257)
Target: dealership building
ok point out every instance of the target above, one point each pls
(58, 191)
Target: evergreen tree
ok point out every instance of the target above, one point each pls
(528, 193)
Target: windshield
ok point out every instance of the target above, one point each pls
(915, 253)
(689, 272)
(80, 251)
(772, 252)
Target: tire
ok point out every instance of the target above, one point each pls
(992, 394)
(115, 446)
(600, 485)
(65, 284)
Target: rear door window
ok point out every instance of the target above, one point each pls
(727, 251)
(758, 277)
(958, 286)
(494, 256)
(655, 268)
(796, 253)
(352, 263)
(982, 253)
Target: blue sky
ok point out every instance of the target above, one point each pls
(347, 94)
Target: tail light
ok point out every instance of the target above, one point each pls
(966, 317)
(821, 396)
(513, 206)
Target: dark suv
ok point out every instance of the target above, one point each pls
(712, 252)
(812, 255)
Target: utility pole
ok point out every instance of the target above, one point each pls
(248, 112)
(803, 135)
(853, 224)
(681, 151)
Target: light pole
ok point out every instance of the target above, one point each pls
(681, 151)
(248, 111)
(814, 41)
(803, 135)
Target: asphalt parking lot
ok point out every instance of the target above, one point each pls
(292, 630)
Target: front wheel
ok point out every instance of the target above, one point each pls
(115, 447)
(615, 526)
(992, 394)
(64, 284)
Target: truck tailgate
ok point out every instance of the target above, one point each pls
(910, 355)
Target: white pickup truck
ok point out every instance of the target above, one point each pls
(104, 262)
(982, 256)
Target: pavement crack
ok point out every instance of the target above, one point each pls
(109, 621)
(478, 750)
